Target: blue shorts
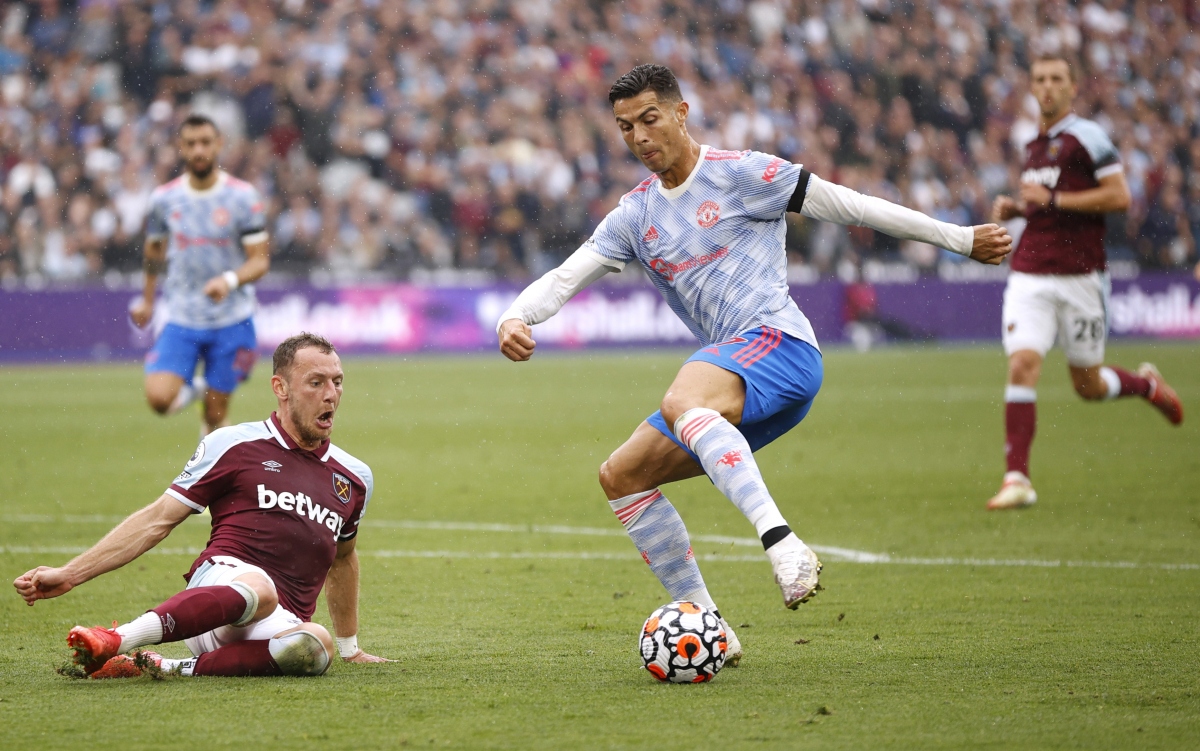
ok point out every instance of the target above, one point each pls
(782, 376)
(228, 353)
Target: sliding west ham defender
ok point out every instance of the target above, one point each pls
(708, 226)
(1058, 288)
(285, 503)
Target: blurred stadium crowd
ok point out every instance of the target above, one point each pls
(473, 137)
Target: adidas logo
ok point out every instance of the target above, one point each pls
(650, 236)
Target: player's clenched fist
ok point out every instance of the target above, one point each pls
(217, 288)
(141, 313)
(42, 583)
(992, 243)
(516, 340)
(1005, 208)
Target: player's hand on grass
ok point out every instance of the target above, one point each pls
(216, 288)
(141, 313)
(362, 656)
(42, 583)
(516, 340)
(992, 244)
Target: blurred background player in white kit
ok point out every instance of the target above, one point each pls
(708, 226)
(286, 504)
(1058, 288)
(206, 230)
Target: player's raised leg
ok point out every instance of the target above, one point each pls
(1106, 382)
(704, 404)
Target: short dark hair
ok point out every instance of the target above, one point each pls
(285, 353)
(1051, 57)
(656, 78)
(196, 120)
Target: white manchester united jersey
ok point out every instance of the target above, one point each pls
(205, 231)
(714, 245)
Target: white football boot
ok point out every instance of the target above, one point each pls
(796, 569)
(733, 646)
(1014, 493)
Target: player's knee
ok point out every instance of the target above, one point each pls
(1092, 391)
(305, 651)
(259, 592)
(618, 482)
(608, 480)
(159, 402)
(1024, 368)
(673, 406)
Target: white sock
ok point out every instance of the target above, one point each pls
(701, 597)
(143, 630)
(726, 457)
(185, 667)
(1112, 380)
(1021, 394)
(187, 394)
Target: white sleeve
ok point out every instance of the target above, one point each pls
(830, 202)
(547, 295)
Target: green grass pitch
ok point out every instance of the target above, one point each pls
(495, 573)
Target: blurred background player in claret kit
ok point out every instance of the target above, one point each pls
(1058, 288)
(286, 505)
(708, 227)
(206, 230)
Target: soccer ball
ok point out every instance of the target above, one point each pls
(683, 642)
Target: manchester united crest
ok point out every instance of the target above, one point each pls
(220, 216)
(708, 214)
(341, 487)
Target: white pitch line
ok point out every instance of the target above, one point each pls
(572, 555)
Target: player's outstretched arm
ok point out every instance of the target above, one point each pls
(341, 591)
(141, 531)
(544, 298)
(830, 202)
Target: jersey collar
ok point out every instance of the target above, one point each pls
(1061, 125)
(283, 439)
(682, 187)
(187, 185)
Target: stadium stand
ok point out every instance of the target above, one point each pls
(413, 139)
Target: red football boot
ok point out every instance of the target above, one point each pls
(94, 646)
(1161, 394)
(128, 666)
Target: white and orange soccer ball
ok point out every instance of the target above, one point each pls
(683, 642)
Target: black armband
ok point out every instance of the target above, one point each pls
(154, 266)
(796, 202)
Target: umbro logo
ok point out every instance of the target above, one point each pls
(650, 236)
(271, 465)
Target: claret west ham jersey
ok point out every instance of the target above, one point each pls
(276, 505)
(713, 245)
(1072, 156)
